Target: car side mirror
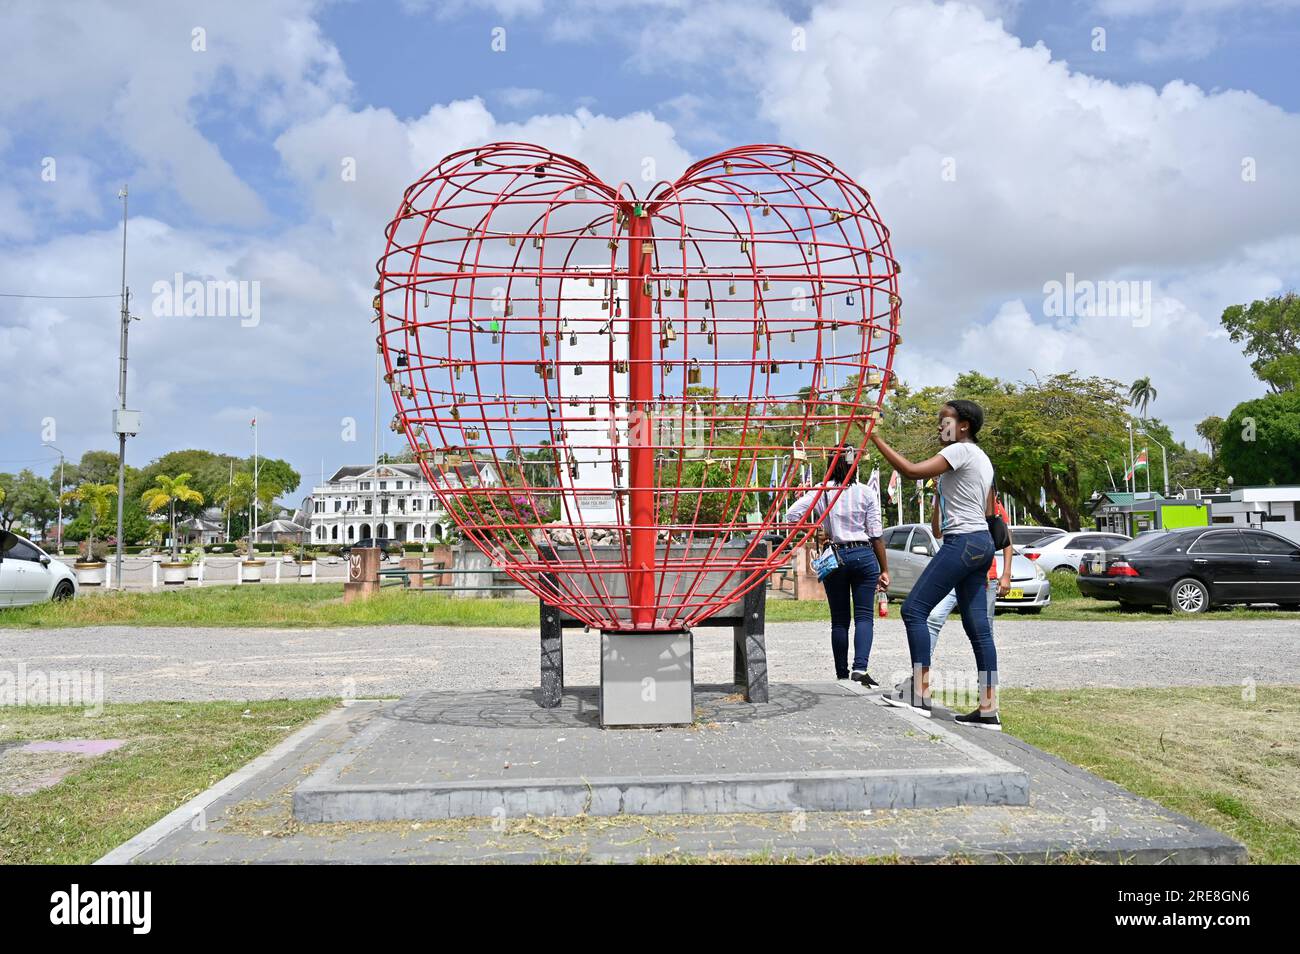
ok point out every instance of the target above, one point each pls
(921, 551)
(45, 559)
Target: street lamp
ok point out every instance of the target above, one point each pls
(1164, 456)
(53, 448)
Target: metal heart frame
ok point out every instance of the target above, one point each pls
(592, 381)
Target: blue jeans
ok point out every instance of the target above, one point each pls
(939, 615)
(962, 564)
(855, 580)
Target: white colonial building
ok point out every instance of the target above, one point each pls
(391, 501)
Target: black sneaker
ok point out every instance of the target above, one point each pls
(902, 697)
(864, 677)
(980, 720)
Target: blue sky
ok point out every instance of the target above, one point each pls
(1123, 163)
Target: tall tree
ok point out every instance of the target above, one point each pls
(1210, 430)
(168, 492)
(1140, 395)
(1261, 440)
(97, 501)
(1271, 331)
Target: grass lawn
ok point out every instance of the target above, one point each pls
(175, 750)
(1229, 762)
(321, 604)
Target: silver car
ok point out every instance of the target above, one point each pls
(910, 546)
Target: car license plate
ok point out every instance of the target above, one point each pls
(1015, 594)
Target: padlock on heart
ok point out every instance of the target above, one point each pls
(646, 379)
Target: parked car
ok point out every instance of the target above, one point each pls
(30, 575)
(911, 545)
(1068, 550)
(388, 546)
(1023, 535)
(1194, 570)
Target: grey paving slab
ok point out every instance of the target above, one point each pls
(814, 747)
(194, 663)
(1071, 814)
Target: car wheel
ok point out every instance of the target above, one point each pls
(1065, 569)
(63, 591)
(1189, 596)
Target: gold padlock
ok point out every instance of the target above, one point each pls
(694, 374)
(799, 453)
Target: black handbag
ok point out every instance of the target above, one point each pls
(998, 527)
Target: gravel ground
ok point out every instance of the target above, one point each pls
(162, 663)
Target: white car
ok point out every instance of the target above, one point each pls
(910, 546)
(1067, 551)
(30, 575)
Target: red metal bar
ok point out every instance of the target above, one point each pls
(641, 453)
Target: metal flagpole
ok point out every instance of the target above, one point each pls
(121, 398)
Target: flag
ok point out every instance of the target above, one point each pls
(776, 482)
(1042, 498)
(1139, 464)
(873, 485)
(253, 423)
(894, 481)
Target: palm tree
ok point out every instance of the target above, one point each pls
(237, 495)
(1141, 394)
(168, 493)
(99, 498)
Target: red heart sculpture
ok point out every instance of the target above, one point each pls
(615, 397)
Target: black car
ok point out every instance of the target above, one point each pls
(386, 544)
(1193, 570)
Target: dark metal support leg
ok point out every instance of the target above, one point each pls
(552, 657)
(750, 652)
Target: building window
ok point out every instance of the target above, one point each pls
(365, 485)
(351, 533)
(418, 533)
(383, 485)
(334, 533)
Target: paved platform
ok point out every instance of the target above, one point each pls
(814, 747)
(1071, 814)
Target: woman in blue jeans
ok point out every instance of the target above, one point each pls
(854, 528)
(964, 476)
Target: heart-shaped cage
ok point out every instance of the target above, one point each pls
(616, 397)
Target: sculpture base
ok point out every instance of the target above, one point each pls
(647, 679)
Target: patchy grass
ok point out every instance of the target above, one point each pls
(174, 751)
(307, 605)
(321, 604)
(1215, 754)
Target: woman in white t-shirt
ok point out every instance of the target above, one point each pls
(965, 476)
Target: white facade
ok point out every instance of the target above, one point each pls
(392, 501)
(1267, 508)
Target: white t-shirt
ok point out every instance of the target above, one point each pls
(964, 490)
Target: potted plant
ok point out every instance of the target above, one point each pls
(167, 492)
(91, 565)
(250, 567)
(193, 561)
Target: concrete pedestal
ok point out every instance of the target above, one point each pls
(646, 679)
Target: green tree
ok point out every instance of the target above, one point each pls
(168, 492)
(1210, 430)
(1140, 395)
(1270, 329)
(27, 498)
(97, 501)
(1057, 434)
(1261, 440)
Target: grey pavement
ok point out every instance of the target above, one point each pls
(191, 663)
(1071, 815)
